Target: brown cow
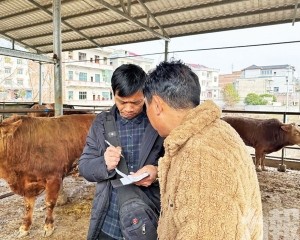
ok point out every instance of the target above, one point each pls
(49, 110)
(36, 154)
(264, 135)
(44, 107)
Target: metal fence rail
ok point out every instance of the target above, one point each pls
(8, 108)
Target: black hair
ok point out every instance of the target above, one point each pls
(175, 83)
(127, 80)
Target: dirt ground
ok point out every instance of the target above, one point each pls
(280, 197)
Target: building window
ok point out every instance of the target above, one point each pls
(105, 60)
(7, 70)
(266, 72)
(70, 95)
(105, 95)
(97, 77)
(70, 75)
(92, 79)
(20, 82)
(276, 89)
(215, 79)
(82, 95)
(8, 82)
(97, 58)
(28, 94)
(106, 75)
(82, 76)
(70, 55)
(19, 61)
(7, 59)
(20, 71)
(81, 56)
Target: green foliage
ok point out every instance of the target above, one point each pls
(262, 99)
(266, 95)
(254, 99)
(230, 94)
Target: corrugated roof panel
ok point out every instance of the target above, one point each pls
(78, 7)
(23, 20)
(13, 7)
(33, 26)
(28, 32)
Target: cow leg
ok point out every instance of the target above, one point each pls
(62, 196)
(258, 156)
(263, 163)
(52, 190)
(27, 220)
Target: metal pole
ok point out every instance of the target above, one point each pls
(166, 50)
(40, 83)
(57, 54)
(287, 94)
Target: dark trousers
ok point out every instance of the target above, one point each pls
(104, 236)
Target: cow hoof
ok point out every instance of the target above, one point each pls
(258, 169)
(22, 232)
(48, 230)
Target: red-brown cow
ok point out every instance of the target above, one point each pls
(42, 107)
(264, 135)
(36, 154)
(49, 110)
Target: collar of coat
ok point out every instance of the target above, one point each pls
(193, 123)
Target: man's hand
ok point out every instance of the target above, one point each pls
(112, 156)
(147, 181)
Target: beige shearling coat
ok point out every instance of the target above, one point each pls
(209, 187)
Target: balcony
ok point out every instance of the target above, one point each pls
(89, 64)
(91, 103)
(77, 83)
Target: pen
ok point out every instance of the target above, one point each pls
(109, 144)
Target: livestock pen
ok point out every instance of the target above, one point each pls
(280, 194)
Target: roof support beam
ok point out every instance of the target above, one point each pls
(7, 37)
(25, 55)
(295, 12)
(149, 14)
(64, 22)
(133, 20)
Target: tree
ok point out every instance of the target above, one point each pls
(230, 95)
(267, 96)
(254, 99)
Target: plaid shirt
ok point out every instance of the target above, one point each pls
(131, 133)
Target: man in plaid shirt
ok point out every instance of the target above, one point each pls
(140, 145)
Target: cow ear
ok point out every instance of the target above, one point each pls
(286, 127)
(12, 127)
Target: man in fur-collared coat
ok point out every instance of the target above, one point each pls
(209, 187)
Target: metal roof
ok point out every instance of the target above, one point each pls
(97, 23)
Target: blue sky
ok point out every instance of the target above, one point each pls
(231, 59)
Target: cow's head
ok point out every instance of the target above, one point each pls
(292, 133)
(8, 129)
